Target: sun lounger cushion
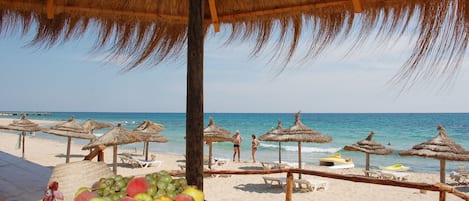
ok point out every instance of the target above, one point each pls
(400, 176)
(275, 181)
(311, 184)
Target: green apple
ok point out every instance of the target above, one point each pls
(196, 194)
(143, 197)
(97, 199)
(81, 190)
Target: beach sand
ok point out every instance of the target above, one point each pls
(49, 153)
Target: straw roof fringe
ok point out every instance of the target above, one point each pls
(441, 147)
(298, 132)
(24, 124)
(91, 125)
(369, 146)
(214, 133)
(69, 129)
(116, 136)
(156, 32)
(150, 132)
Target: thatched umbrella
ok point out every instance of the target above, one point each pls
(272, 135)
(24, 125)
(443, 148)
(151, 32)
(213, 133)
(151, 133)
(115, 136)
(298, 132)
(369, 147)
(69, 129)
(91, 125)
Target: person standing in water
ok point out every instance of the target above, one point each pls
(237, 140)
(255, 142)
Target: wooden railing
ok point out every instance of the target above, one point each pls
(442, 188)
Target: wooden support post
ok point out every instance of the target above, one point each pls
(50, 8)
(69, 142)
(214, 14)
(289, 187)
(442, 178)
(367, 167)
(114, 159)
(146, 150)
(23, 136)
(210, 155)
(357, 6)
(195, 95)
(299, 159)
(101, 156)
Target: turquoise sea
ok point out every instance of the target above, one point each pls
(401, 130)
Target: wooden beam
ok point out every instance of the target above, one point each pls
(50, 9)
(181, 18)
(195, 95)
(214, 14)
(354, 178)
(357, 6)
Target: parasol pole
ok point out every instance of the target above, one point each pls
(299, 159)
(114, 160)
(367, 165)
(442, 178)
(69, 141)
(195, 95)
(23, 134)
(146, 149)
(210, 155)
(279, 152)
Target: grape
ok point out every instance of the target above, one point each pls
(171, 187)
(115, 197)
(152, 189)
(171, 194)
(166, 178)
(160, 193)
(161, 185)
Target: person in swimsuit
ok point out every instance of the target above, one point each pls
(255, 142)
(237, 139)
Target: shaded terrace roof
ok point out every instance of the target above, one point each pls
(155, 32)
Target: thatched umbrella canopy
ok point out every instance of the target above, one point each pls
(213, 133)
(150, 32)
(69, 129)
(115, 136)
(150, 133)
(443, 148)
(274, 135)
(24, 125)
(91, 125)
(298, 132)
(369, 147)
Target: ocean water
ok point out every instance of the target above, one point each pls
(400, 130)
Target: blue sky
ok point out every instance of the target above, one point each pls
(70, 78)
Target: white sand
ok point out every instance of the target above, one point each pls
(237, 187)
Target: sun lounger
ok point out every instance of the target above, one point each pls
(139, 163)
(460, 176)
(145, 164)
(275, 181)
(399, 176)
(311, 185)
(371, 173)
(221, 161)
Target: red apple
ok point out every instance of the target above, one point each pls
(137, 185)
(183, 197)
(86, 195)
(128, 199)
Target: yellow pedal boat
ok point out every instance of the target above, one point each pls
(396, 167)
(336, 161)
